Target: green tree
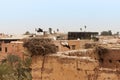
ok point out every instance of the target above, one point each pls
(15, 68)
(5, 71)
(23, 69)
(12, 59)
(106, 33)
(27, 33)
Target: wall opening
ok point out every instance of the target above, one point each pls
(73, 47)
(6, 49)
(0, 49)
(57, 48)
(101, 60)
(110, 61)
(119, 61)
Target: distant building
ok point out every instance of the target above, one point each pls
(14, 44)
(111, 59)
(67, 45)
(2, 35)
(81, 35)
(11, 46)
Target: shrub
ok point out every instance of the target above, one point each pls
(13, 68)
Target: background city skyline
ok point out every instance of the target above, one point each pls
(19, 16)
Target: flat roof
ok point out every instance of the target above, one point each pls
(82, 32)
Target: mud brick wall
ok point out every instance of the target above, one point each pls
(62, 68)
(57, 67)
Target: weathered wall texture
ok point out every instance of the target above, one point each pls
(62, 67)
(74, 44)
(14, 47)
(111, 59)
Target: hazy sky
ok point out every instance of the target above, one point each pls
(18, 16)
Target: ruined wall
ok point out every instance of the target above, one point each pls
(111, 59)
(108, 74)
(64, 67)
(74, 44)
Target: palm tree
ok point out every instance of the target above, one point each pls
(81, 29)
(85, 27)
(57, 30)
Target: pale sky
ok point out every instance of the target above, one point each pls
(19, 16)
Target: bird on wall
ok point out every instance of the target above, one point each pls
(65, 44)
